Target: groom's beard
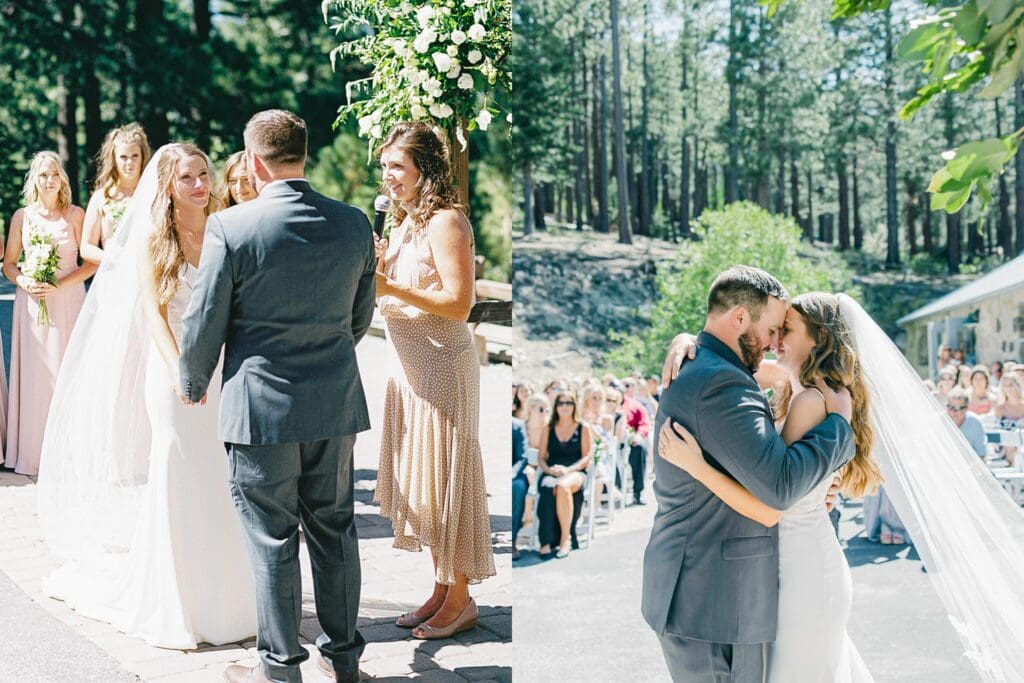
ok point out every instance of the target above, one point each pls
(750, 351)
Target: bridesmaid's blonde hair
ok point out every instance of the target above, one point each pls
(108, 177)
(30, 191)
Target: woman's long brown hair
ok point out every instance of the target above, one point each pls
(833, 360)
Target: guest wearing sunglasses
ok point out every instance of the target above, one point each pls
(566, 448)
(969, 423)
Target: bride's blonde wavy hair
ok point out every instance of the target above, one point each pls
(431, 155)
(165, 251)
(833, 360)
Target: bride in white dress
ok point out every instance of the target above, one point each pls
(815, 587)
(159, 555)
(967, 530)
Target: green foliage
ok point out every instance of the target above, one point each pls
(440, 61)
(973, 166)
(927, 265)
(740, 233)
(340, 170)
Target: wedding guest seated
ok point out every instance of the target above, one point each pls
(945, 357)
(995, 373)
(958, 410)
(521, 391)
(945, 383)
(982, 400)
(565, 452)
(520, 484)
(1009, 410)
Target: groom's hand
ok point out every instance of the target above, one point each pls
(838, 402)
(683, 347)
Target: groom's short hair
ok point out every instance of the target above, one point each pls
(744, 286)
(277, 136)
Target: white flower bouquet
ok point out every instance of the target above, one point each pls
(41, 262)
(442, 60)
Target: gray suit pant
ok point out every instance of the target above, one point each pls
(276, 487)
(697, 661)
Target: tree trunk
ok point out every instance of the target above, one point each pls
(93, 120)
(527, 201)
(844, 203)
(953, 257)
(1018, 165)
(732, 190)
(858, 227)
(603, 224)
(1004, 231)
(149, 100)
(794, 189)
(67, 132)
(809, 224)
(927, 241)
(587, 196)
(892, 244)
(911, 216)
(646, 181)
(625, 233)
(538, 206)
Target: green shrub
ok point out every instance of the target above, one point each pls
(741, 233)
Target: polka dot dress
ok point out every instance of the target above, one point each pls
(431, 480)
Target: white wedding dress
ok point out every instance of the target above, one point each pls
(185, 578)
(815, 594)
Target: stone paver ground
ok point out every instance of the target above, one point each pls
(393, 581)
(579, 618)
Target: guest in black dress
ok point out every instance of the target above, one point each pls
(565, 451)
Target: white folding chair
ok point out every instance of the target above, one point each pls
(533, 532)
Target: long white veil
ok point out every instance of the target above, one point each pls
(95, 454)
(968, 531)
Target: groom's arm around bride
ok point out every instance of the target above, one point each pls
(710, 580)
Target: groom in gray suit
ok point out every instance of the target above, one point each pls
(286, 286)
(711, 576)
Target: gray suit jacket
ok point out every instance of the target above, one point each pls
(709, 573)
(286, 286)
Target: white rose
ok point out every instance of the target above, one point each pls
(452, 51)
(400, 48)
(418, 112)
(475, 56)
(432, 87)
(465, 82)
(441, 111)
(424, 39)
(455, 70)
(458, 37)
(476, 33)
(442, 61)
(424, 15)
(364, 124)
(483, 119)
(376, 132)
(416, 77)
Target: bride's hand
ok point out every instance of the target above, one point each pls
(683, 347)
(678, 446)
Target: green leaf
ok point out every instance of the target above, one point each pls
(969, 23)
(951, 202)
(995, 10)
(980, 159)
(921, 42)
(1004, 76)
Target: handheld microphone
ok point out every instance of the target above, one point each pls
(381, 206)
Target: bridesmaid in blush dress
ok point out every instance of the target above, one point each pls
(431, 479)
(37, 350)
